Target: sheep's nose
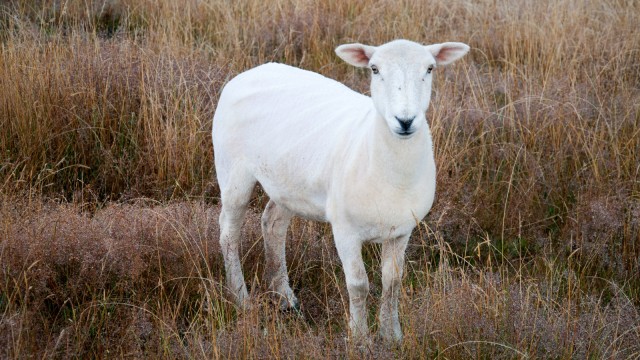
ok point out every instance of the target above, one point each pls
(405, 124)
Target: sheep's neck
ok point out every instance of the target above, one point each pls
(402, 162)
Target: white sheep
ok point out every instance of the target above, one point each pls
(324, 152)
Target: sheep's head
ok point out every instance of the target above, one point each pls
(401, 73)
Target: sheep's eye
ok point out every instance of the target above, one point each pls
(429, 69)
(374, 69)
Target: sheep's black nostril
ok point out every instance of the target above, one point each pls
(405, 124)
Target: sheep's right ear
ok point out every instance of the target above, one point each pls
(356, 54)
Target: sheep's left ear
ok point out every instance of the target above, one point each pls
(448, 52)
(356, 54)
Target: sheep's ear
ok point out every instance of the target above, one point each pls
(448, 52)
(356, 54)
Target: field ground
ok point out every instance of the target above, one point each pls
(108, 200)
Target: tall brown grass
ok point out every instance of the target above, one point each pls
(532, 248)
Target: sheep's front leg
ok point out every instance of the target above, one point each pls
(350, 252)
(392, 266)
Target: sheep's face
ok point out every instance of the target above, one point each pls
(401, 74)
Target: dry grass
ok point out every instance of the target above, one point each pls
(532, 248)
(143, 279)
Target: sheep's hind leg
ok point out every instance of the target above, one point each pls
(392, 266)
(275, 222)
(235, 198)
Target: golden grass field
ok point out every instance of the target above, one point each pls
(109, 204)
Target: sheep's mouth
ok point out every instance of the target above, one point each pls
(405, 133)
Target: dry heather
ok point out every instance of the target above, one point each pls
(532, 248)
(143, 279)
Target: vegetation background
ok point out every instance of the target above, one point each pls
(108, 200)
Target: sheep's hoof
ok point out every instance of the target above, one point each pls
(361, 342)
(245, 305)
(296, 305)
(293, 308)
(391, 337)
